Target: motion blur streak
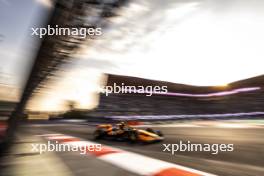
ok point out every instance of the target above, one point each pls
(186, 116)
(224, 93)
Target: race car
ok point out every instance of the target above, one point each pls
(122, 131)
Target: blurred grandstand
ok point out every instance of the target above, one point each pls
(207, 103)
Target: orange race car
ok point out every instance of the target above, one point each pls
(122, 131)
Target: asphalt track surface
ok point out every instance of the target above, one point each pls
(247, 159)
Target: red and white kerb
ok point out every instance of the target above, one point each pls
(130, 161)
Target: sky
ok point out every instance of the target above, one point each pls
(17, 47)
(203, 43)
(195, 42)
